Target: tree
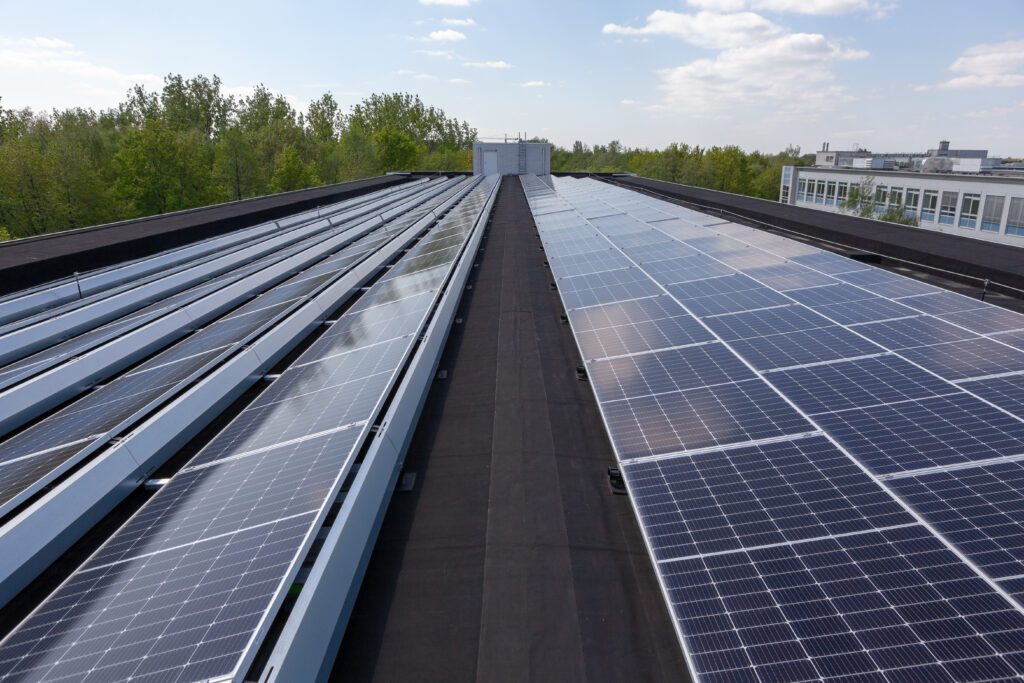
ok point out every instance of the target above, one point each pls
(292, 173)
(396, 150)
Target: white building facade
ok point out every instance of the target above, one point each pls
(984, 207)
(511, 158)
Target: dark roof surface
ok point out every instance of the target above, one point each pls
(511, 559)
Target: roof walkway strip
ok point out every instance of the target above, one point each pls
(188, 588)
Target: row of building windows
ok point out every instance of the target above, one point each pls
(928, 204)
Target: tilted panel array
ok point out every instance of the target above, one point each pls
(187, 588)
(825, 457)
(34, 457)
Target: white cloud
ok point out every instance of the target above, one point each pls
(434, 53)
(448, 3)
(458, 81)
(1016, 108)
(793, 69)
(534, 84)
(425, 77)
(446, 35)
(818, 7)
(404, 72)
(704, 29)
(627, 101)
(756, 60)
(993, 65)
(68, 75)
(489, 65)
(458, 22)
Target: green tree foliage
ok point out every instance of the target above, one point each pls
(860, 201)
(190, 144)
(729, 169)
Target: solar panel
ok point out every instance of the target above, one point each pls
(895, 602)
(966, 359)
(926, 432)
(753, 496)
(766, 582)
(602, 288)
(858, 383)
(190, 584)
(699, 418)
(666, 371)
(980, 509)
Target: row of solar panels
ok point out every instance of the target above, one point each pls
(825, 457)
(189, 587)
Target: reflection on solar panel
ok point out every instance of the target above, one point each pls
(187, 588)
(830, 480)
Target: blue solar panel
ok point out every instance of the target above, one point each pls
(761, 323)
(987, 320)
(925, 433)
(910, 332)
(965, 359)
(699, 418)
(775, 566)
(895, 602)
(941, 302)
(1006, 392)
(589, 262)
(1014, 339)
(756, 495)
(858, 383)
(602, 288)
(979, 509)
(642, 336)
(666, 371)
(803, 347)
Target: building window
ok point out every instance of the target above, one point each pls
(993, 215)
(969, 210)
(819, 193)
(785, 195)
(830, 193)
(931, 200)
(1015, 219)
(896, 197)
(913, 197)
(947, 209)
(881, 193)
(841, 191)
(801, 188)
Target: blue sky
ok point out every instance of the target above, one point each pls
(889, 76)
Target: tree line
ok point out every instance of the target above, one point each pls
(190, 144)
(728, 168)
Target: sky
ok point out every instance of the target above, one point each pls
(762, 74)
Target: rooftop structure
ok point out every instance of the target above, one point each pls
(983, 207)
(821, 458)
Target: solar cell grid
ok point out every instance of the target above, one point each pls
(829, 295)
(760, 323)
(980, 510)
(655, 251)
(1014, 339)
(699, 418)
(802, 347)
(620, 225)
(965, 359)
(686, 269)
(1006, 392)
(756, 495)
(987, 320)
(858, 384)
(625, 313)
(788, 276)
(895, 602)
(666, 371)
(733, 302)
(829, 263)
(909, 332)
(602, 288)
(642, 336)
(924, 433)
(589, 262)
(864, 310)
(901, 287)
